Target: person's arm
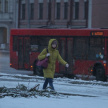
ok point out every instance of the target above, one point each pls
(59, 58)
(42, 55)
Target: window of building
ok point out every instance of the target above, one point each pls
(58, 10)
(31, 11)
(6, 6)
(49, 10)
(23, 12)
(40, 10)
(65, 10)
(76, 10)
(85, 10)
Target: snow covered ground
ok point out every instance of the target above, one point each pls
(86, 94)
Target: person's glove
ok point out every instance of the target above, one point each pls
(48, 54)
(67, 65)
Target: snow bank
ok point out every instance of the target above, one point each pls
(42, 102)
(91, 88)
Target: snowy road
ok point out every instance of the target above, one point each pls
(5, 66)
(92, 88)
(85, 94)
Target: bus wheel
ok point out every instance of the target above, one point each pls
(100, 73)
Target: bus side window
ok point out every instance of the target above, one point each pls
(15, 43)
(96, 50)
(34, 44)
(43, 42)
(80, 48)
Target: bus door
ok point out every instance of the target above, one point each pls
(20, 53)
(26, 53)
(66, 51)
(23, 52)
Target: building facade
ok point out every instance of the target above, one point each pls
(8, 20)
(50, 14)
(99, 15)
(63, 13)
(53, 13)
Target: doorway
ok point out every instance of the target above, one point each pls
(23, 52)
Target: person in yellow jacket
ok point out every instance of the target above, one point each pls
(53, 55)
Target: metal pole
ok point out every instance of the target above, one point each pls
(17, 12)
(69, 23)
(90, 14)
(71, 12)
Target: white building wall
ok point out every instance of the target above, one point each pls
(8, 20)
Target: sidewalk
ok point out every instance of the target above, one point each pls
(4, 52)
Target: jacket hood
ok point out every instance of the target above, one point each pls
(50, 42)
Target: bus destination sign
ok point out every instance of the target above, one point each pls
(97, 33)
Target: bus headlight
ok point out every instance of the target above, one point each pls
(31, 66)
(104, 62)
(10, 65)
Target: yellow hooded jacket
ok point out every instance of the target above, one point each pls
(54, 55)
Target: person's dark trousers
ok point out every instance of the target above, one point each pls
(50, 81)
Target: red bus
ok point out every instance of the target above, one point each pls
(86, 50)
